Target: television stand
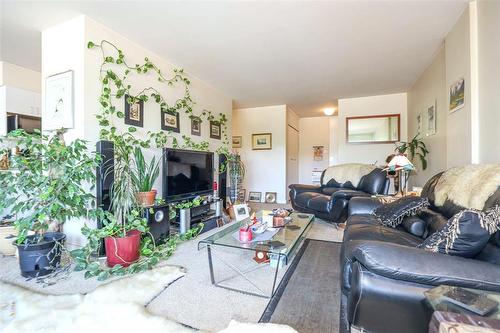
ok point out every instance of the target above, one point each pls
(200, 214)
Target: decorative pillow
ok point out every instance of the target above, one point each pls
(392, 214)
(465, 234)
(414, 225)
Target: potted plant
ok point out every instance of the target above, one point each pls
(43, 189)
(413, 148)
(144, 176)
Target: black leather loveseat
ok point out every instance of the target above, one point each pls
(329, 201)
(384, 275)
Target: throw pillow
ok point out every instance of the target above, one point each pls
(393, 213)
(465, 234)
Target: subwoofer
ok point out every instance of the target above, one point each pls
(158, 222)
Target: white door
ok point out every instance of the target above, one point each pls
(292, 157)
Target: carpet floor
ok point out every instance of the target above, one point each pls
(191, 300)
(308, 299)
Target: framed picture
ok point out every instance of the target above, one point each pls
(271, 197)
(170, 122)
(254, 196)
(214, 130)
(431, 120)
(241, 212)
(420, 127)
(134, 113)
(457, 95)
(236, 142)
(242, 195)
(262, 141)
(195, 126)
(318, 152)
(59, 104)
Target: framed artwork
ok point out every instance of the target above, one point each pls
(254, 196)
(241, 212)
(242, 195)
(262, 141)
(195, 126)
(271, 197)
(431, 120)
(420, 127)
(236, 142)
(214, 130)
(318, 152)
(170, 122)
(59, 104)
(134, 113)
(457, 95)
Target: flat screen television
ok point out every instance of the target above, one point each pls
(187, 174)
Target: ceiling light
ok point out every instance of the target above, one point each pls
(329, 111)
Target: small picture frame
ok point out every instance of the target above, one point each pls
(170, 121)
(59, 102)
(236, 143)
(242, 195)
(215, 130)
(420, 126)
(195, 126)
(134, 113)
(254, 196)
(241, 212)
(457, 95)
(270, 197)
(262, 141)
(431, 120)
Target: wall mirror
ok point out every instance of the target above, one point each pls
(373, 129)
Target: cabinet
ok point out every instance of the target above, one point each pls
(20, 101)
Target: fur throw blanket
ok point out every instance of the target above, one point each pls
(118, 306)
(351, 172)
(468, 186)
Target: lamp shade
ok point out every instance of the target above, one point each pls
(400, 162)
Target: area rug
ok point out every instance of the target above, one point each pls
(308, 298)
(118, 306)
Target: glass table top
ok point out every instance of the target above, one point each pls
(286, 235)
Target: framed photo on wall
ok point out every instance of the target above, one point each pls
(254, 196)
(457, 95)
(170, 122)
(262, 141)
(59, 105)
(215, 130)
(195, 126)
(134, 112)
(271, 197)
(420, 126)
(431, 120)
(237, 141)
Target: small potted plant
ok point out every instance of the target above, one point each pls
(43, 189)
(144, 176)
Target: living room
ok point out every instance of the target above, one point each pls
(301, 166)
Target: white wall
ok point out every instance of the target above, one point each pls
(314, 131)
(365, 106)
(265, 169)
(64, 48)
(19, 77)
(430, 88)
(489, 80)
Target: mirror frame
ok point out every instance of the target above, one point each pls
(397, 115)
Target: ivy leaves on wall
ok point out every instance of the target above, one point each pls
(115, 73)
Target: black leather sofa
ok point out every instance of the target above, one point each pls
(329, 201)
(384, 275)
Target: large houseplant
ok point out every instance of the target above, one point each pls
(43, 189)
(414, 148)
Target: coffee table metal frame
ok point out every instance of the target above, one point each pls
(283, 253)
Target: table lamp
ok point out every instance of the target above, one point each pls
(403, 166)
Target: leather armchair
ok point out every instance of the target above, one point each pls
(384, 275)
(330, 201)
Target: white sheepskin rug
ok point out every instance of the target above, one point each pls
(343, 173)
(118, 306)
(468, 186)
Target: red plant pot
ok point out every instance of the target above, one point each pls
(123, 250)
(245, 234)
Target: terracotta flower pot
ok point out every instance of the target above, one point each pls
(146, 199)
(123, 250)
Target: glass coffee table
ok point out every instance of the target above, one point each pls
(291, 236)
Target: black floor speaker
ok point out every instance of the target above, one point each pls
(223, 184)
(104, 179)
(158, 222)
